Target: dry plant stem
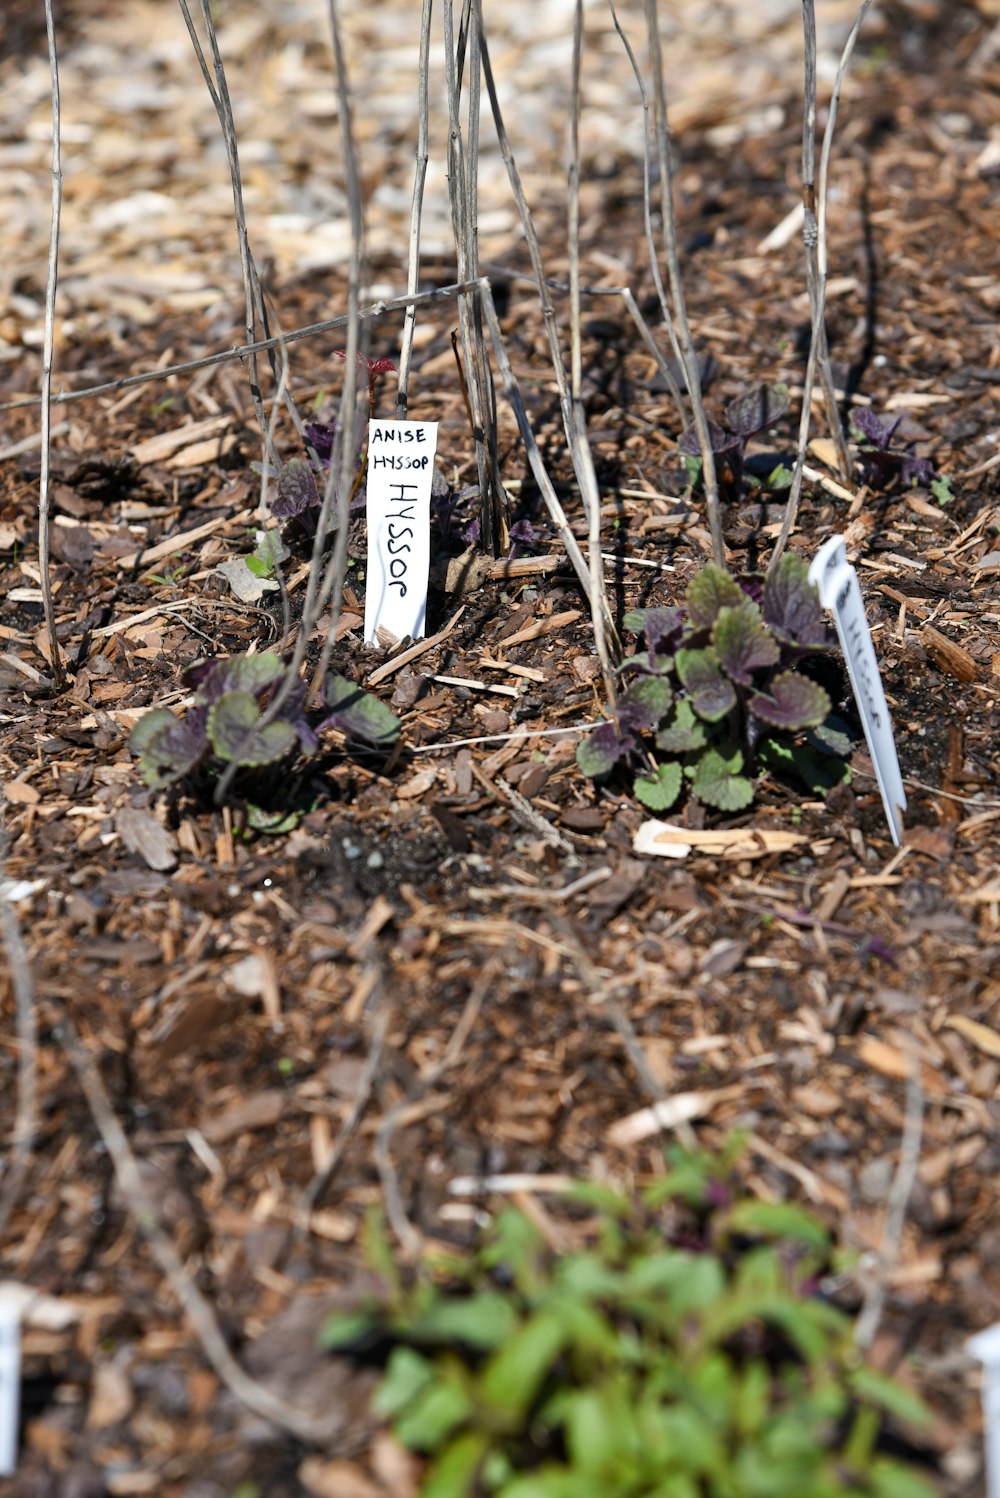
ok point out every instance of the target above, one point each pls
(48, 343)
(416, 210)
(409, 1238)
(26, 1118)
(654, 263)
(320, 1184)
(599, 607)
(814, 238)
(603, 998)
(219, 93)
(322, 582)
(815, 273)
(583, 461)
(556, 512)
(262, 509)
(338, 484)
(244, 350)
(461, 197)
(199, 1312)
(900, 1192)
(688, 357)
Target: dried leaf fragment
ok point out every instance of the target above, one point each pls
(981, 1036)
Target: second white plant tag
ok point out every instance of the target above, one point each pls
(840, 592)
(400, 474)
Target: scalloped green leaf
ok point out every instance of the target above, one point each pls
(792, 701)
(661, 665)
(758, 409)
(712, 694)
(792, 608)
(237, 734)
(742, 643)
(654, 694)
(660, 789)
(242, 673)
(713, 589)
(168, 747)
(717, 781)
(600, 751)
(685, 733)
(358, 713)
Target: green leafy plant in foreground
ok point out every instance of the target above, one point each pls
(228, 724)
(722, 686)
(686, 1354)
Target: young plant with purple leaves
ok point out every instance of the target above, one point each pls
(719, 689)
(227, 725)
(747, 415)
(883, 459)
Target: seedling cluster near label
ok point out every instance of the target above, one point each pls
(840, 592)
(400, 475)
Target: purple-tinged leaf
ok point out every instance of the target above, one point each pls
(757, 409)
(717, 781)
(710, 591)
(649, 665)
(293, 711)
(320, 437)
(791, 701)
(872, 428)
(752, 586)
(712, 694)
(723, 442)
(660, 789)
(523, 532)
(685, 733)
(168, 747)
(742, 642)
(237, 734)
(916, 470)
(792, 608)
(296, 491)
(239, 673)
(357, 713)
(661, 627)
(653, 695)
(600, 751)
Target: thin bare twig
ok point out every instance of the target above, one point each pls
(900, 1192)
(416, 210)
(320, 1184)
(26, 1118)
(48, 344)
(647, 218)
(689, 358)
(244, 350)
(408, 1236)
(583, 461)
(246, 1389)
(814, 239)
(579, 448)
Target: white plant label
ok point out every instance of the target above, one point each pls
(400, 473)
(840, 592)
(986, 1347)
(10, 1381)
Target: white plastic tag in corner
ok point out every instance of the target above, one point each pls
(10, 1381)
(840, 592)
(400, 476)
(986, 1348)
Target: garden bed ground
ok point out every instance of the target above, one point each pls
(461, 956)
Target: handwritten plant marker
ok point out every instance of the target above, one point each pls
(400, 473)
(840, 592)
